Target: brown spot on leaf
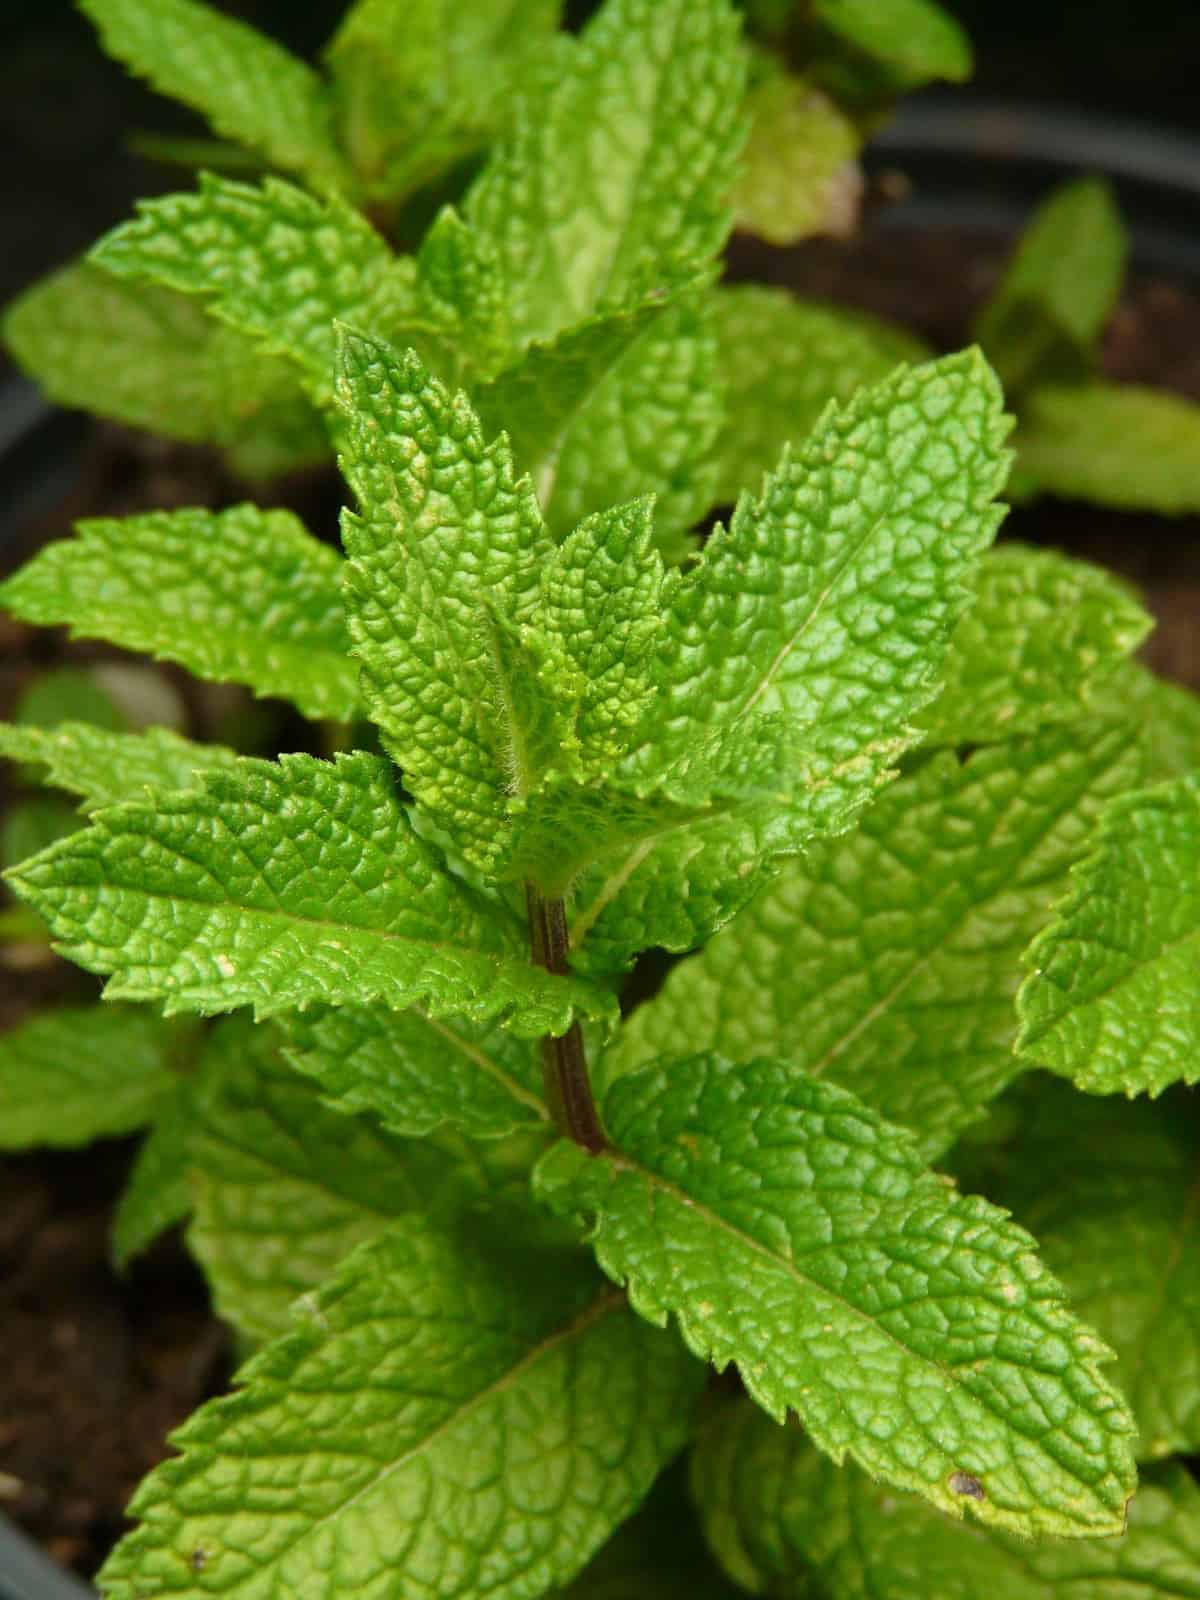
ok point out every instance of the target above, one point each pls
(965, 1483)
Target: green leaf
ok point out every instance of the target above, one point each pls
(1111, 1192)
(614, 175)
(1167, 716)
(86, 1073)
(250, 89)
(284, 1188)
(888, 960)
(833, 1533)
(792, 1231)
(798, 175)
(422, 84)
(916, 38)
(449, 1418)
(158, 1194)
(783, 360)
(1061, 286)
(1044, 634)
(242, 595)
(415, 1072)
(279, 884)
(276, 264)
(109, 768)
(151, 358)
(30, 825)
(828, 601)
(1112, 1000)
(1118, 445)
(69, 694)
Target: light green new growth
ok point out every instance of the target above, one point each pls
(477, 1414)
(106, 768)
(792, 1231)
(917, 39)
(1112, 1000)
(798, 175)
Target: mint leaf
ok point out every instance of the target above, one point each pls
(279, 884)
(416, 1072)
(108, 768)
(1110, 1191)
(1061, 286)
(1167, 716)
(276, 264)
(157, 1194)
(83, 1073)
(916, 38)
(508, 1412)
(614, 175)
(284, 1188)
(242, 595)
(419, 85)
(833, 1532)
(1112, 999)
(250, 89)
(888, 960)
(31, 825)
(783, 360)
(798, 175)
(1119, 445)
(792, 1231)
(1044, 633)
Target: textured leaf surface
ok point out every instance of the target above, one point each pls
(1112, 1194)
(783, 360)
(1060, 287)
(279, 884)
(83, 1073)
(792, 1231)
(1044, 633)
(1167, 716)
(242, 595)
(888, 960)
(250, 89)
(415, 1072)
(445, 1420)
(151, 358)
(157, 1194)
(1117, 444)
(1112, 1000)
(285, 1188)
(798, 175)
(615, 172)
(277, 264)
(829, 1534)
(915, 36)
(109, 768)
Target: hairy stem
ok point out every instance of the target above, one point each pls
(564, 1061)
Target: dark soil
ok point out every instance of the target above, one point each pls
(95, 1370)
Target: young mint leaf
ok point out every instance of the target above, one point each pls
(1044, 633)
(417, 1073)
(250, 89)
(615, 173)
(782, 361)
(1111, 1192)
(915, 38)
(461, 1420)
(157, 1194)
(109, 768)
(276, 264)
(1061, 286)
(84, 1073)
(151, 358)
(792, 1231)
(1112, 1000)
(1117, 444)
(888, 960)
(284, 1188)
(419, 85)
(798, 175)
(279, 884)
(242, 595)
(831, 1532)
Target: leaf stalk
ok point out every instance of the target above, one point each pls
(564, 1060)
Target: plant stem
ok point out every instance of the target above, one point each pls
(564, 1061)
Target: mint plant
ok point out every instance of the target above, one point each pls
(923, 824)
